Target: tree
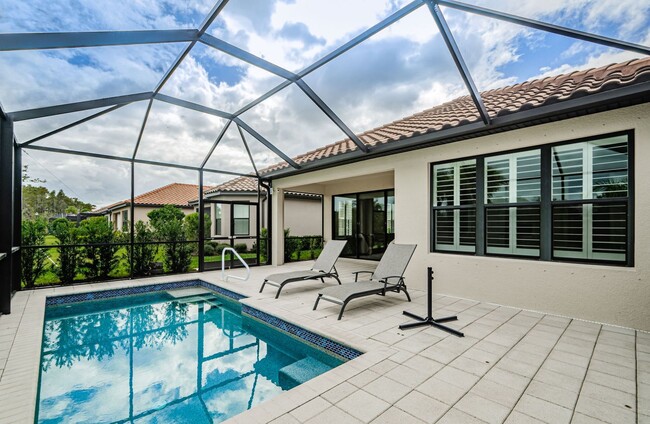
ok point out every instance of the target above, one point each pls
(33, 259)
(100, 254)
(192, 226)
(66, 232)
(167, 213)
(169, 226)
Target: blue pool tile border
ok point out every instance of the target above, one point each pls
(107, 294)
(329, 345)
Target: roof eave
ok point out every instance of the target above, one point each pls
(593, 103)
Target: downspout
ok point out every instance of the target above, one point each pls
(269, 216)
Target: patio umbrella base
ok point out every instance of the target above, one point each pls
(432, 322)
(429, 320)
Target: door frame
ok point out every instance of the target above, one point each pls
(357, 225)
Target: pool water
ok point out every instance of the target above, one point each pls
(164, 357)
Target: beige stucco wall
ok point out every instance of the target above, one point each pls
(303, 216)
(617, 295)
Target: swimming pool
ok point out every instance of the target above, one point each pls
(181, 355)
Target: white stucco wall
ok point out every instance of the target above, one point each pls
(611, 294)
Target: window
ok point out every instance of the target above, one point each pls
(217, 216)
(568, 201)
(512, 196)
(241, 216)
(590, 199)
(454, 210)
(125, 220)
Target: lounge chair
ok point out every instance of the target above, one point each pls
(322, 268)
(388, 277)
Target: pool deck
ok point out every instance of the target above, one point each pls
(512, 366)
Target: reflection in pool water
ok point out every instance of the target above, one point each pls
(154, 358)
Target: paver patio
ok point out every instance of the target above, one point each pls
(512, 366)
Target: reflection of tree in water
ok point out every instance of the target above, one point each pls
(98, 331)
(175, 314)
(144, 319)
(97, 336)
(67, 348)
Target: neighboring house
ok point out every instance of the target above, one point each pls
(176, 194)
(238, 199)
(542, 208)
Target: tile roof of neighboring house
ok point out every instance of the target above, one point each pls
(172, 194)
(239, 184)
(248, 184)
(499, 102)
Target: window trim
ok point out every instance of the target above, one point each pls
(546, 203)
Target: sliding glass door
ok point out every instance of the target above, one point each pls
(366, 220)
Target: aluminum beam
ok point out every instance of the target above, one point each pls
(543, 26)
(202, 29)
(125, 159)
(216, 142)
(250, 156)
(194, 106)
(247, 57)
(330, 114)
(411, 7)
(339, 51)
(42, 112)
(458, 59)
(267, 143)
(72, 125)
(71, 40)
(265, 96)
(144, 124)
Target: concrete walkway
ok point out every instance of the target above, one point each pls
(512, 366)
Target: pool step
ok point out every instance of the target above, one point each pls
(301, 371)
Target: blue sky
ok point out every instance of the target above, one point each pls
(402, 70)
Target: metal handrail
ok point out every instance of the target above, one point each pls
(223, 265)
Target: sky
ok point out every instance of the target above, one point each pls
(402, 70)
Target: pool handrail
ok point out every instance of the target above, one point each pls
(223, 265)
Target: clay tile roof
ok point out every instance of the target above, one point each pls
(172, 194)
(499, 102)
(239, 184)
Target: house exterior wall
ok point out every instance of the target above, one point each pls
(303, 216)
(612, 294)
(140, 213)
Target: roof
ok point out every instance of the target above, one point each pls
(177, 194)
(249, 185)
(498, 102)
(239, 184)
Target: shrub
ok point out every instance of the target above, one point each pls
(169, 226)
(69, 256)
(218, 250)
(264, 242)
(241, 248)
(144, 255)
(209, 249)
(32, 263)
(99, 257)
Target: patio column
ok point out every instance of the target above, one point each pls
(277, 239)
(6, 212)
